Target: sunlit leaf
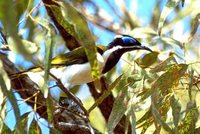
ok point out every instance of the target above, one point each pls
(143, 32)
(158, 115)
(119, 108)
(188, 123)
(83, 35)
(8, 16)
(195, 24)
(144, 118)
(31, 47)
(169, 7)
(50, 108)
(163, 83)
(5, 88)
(147, 60)
(163, 65)
(48, 56)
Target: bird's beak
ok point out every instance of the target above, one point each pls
(140, 47)
(145, 48)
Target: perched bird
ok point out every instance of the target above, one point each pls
(73, 68)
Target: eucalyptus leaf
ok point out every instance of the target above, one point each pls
(119, 108)
(176, 109)
(83, 34)
(5, 88)
(147, 60)
(8, 16)
(163, 83)
(169, 7)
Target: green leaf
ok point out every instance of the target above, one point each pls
(183, 2)
(195, 24)
(6, 129)
(191, 117)
(21, 6)
(8, 16)
(167, 80)
(169, 7)
(64, 22)
(163, 65)
(83, 35)
(24, 121)
(144, 117)
(105, 94)
(119, 108)
(131, 113)
(5, 88)
(34, 128)
(143, 32)
(48, 56)
(147, 60)
(157, 116)
(2, 110)
(176, 109)
(50, 108)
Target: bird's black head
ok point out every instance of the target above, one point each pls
(120, 45)
(127, 42)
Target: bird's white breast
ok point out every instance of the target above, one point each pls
(76, 74)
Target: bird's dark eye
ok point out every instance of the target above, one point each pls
(128, 40)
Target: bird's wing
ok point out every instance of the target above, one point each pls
(77, 56)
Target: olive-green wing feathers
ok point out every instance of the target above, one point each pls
(77, 56)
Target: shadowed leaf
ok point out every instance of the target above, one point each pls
(34, 128)
(147, 60)
(118, 110)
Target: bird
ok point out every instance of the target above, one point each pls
(73, 68)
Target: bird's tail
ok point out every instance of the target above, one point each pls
(23, 73)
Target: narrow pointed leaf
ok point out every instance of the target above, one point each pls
(83, 35)
(176, 109)
(8, 16)
(169, 7)
(159, 119)
(118, 110)
(191, 117)
(163, 83)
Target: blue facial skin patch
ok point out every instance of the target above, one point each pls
(129, 40)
